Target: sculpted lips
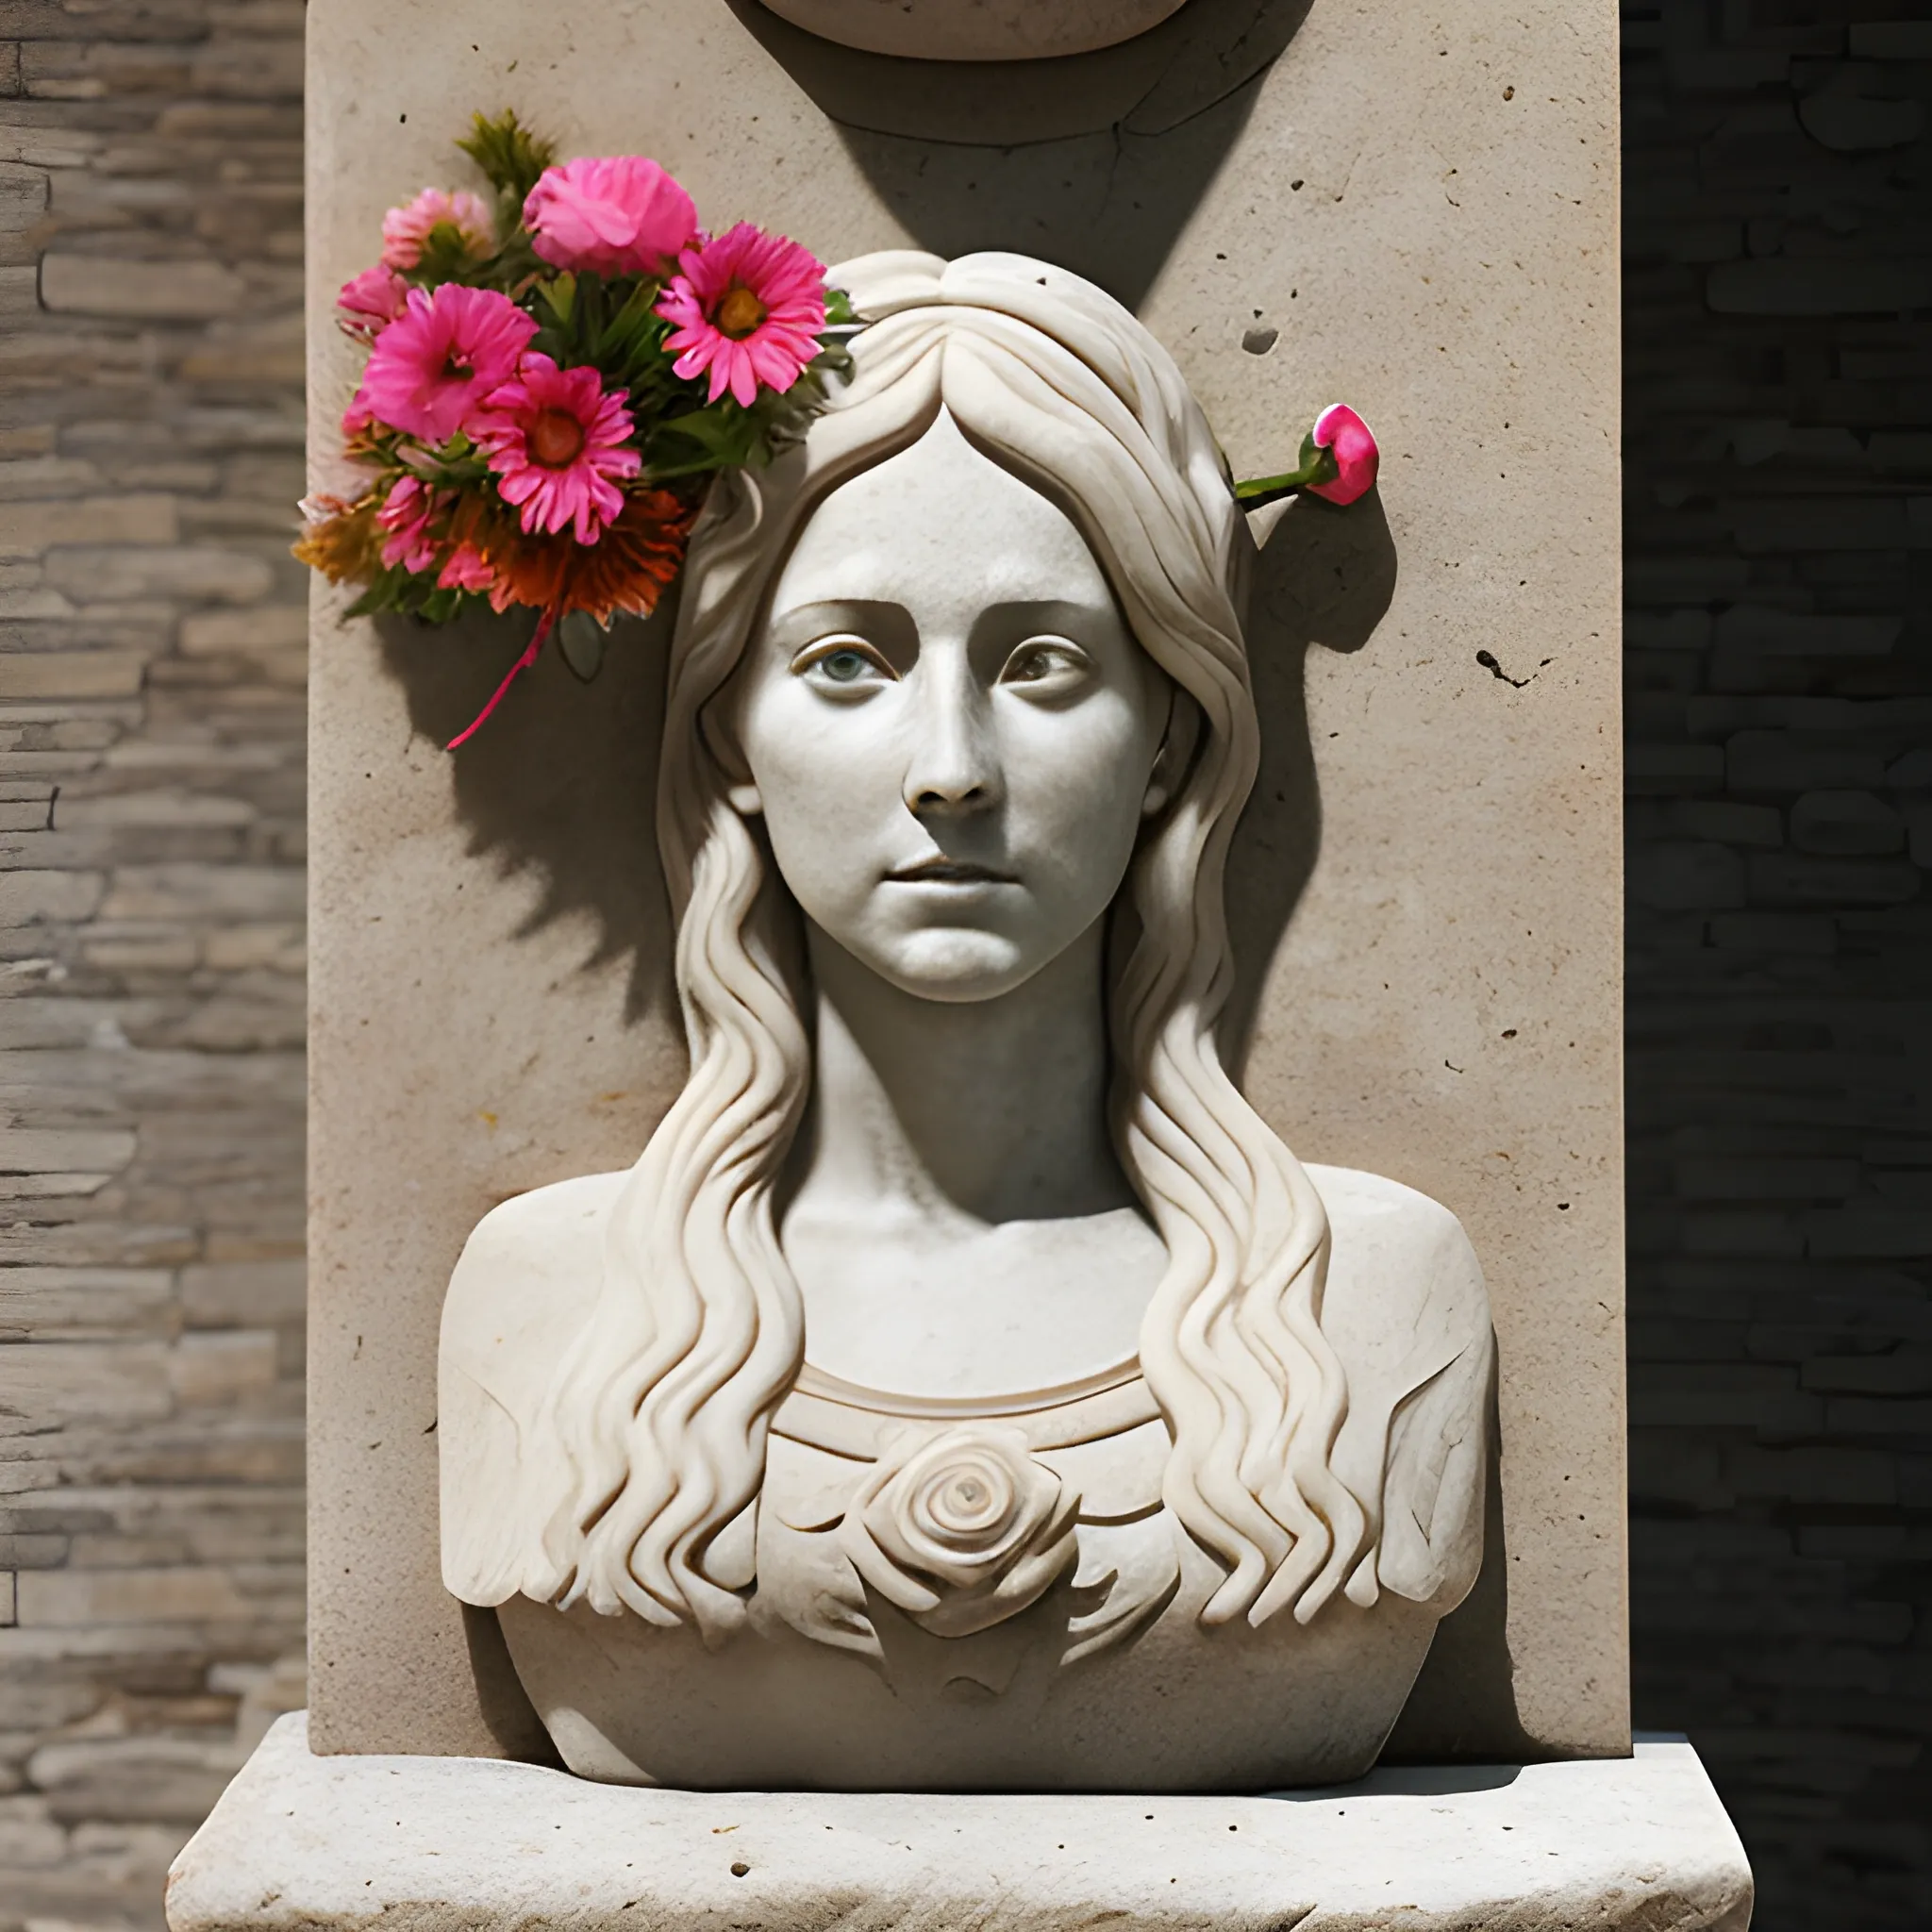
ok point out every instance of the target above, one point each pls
(949, 872)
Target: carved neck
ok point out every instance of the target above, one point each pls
(994, 1109)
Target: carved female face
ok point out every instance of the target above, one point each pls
(947, 725)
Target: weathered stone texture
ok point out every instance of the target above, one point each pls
(305, 1840)
(1779, 534)
(151, 717)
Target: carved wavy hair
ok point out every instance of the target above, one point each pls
(664, 1401)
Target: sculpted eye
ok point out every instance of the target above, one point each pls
(846, 663)
(1046, 662)
(842, 666)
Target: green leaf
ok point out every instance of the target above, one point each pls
(628, 327)
(445, 258)
(509, 155)
(581, 641)
(593, 305)
(715, 437)
(414, 594)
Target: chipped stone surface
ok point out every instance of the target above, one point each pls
(415, 1843)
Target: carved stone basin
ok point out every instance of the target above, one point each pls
(976, 29)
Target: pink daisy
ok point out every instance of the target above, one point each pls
(368, 302)
(406, 230)
(609, 215)
(556, 439)
(435, 363)
(748, 307)
(406, 514)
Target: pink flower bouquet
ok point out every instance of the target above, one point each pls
(553, 381)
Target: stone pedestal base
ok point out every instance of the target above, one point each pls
(441, 1842)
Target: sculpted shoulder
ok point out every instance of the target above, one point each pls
(1402, 1275)
(523, 1287)
(529, 1267)
(1408, 1312)
(1405, 1310)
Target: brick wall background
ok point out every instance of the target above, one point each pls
(1778, 453)
(151, 670)
(1779, 441)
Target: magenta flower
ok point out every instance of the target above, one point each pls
(556, 439)
(406, 514)
(466, 569)
(368, 302)
(406, 230)
(1337, 429)
(431, 367)
(613, 215)
(746, 306)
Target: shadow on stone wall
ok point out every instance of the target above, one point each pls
(562, 782)
(1096, 160)
(1093, 161)
(1324, 580)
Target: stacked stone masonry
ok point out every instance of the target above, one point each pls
(1778, 453)
(152, 638)
(1780, 756)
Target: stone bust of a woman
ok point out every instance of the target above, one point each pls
(966, 1388)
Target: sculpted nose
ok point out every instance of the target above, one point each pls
(953, 768)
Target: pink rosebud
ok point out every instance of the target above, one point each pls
(406, 514)
(406, 230)
(1338, 429)
(614, 215)
(370, 302)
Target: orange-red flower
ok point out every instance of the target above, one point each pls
(629, 568)
(484, 547)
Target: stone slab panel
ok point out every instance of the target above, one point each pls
(415, 1845)
(1415, 211)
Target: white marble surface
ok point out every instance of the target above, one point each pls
(429, 1842)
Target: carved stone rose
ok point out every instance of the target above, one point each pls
(961, 1530)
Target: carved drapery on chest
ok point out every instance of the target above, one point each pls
(963, 1521)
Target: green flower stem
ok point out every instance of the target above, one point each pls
(1318, 465)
